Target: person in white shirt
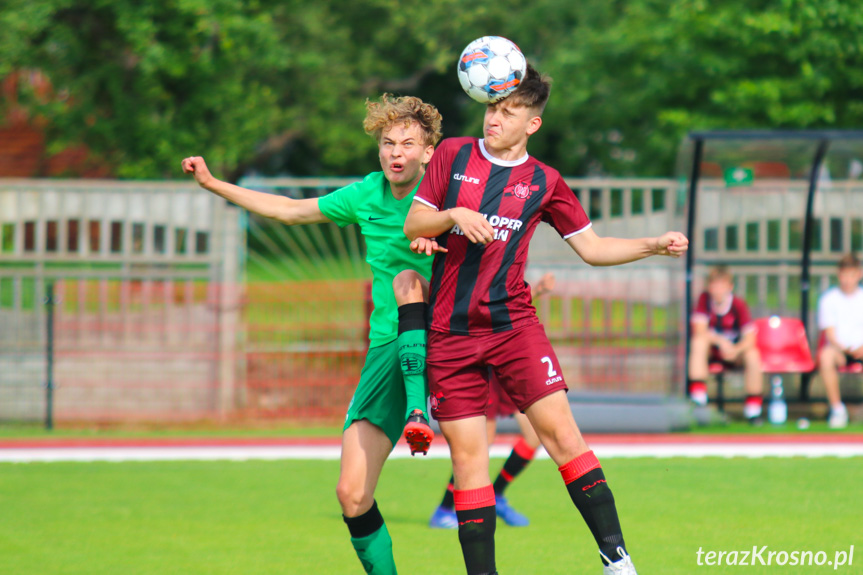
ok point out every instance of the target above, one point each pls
(840, 317)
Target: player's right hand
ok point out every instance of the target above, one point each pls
(426, 246)
(672, 244)
(473, 225)
(196, 166)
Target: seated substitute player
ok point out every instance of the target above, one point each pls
(482, 200)
(500, 405)
(406, 130)
(723, 332)
(840, 316)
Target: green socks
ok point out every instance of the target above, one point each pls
(372, 542)
(375, 552)
(412, 355)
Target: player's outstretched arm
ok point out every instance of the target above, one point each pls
(598, 251)
(424, 221)
(286, 210)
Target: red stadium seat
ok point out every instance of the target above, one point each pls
(855, 367)
(783, 345)
(784, 348)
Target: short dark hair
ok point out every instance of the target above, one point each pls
(533, 91)
(849, 261)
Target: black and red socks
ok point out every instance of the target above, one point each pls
(521, 455)
(588, 489)
(476, 525)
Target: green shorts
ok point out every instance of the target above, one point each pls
(380, 394)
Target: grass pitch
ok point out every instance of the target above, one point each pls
(261, 517)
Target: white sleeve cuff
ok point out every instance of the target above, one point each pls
(575, 233)
(426, 202)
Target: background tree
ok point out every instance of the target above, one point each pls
(279, 86)
(647, 72)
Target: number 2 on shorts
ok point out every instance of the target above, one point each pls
(551, 371)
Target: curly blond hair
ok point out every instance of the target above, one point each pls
(390, 110)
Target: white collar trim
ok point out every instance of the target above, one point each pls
(498, 161)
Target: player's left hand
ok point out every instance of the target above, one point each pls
(426, 246)
(672, 244)
(196, 166)
(544, 285)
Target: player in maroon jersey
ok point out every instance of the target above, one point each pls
(722, 332)
(482, 200)
(500, 405)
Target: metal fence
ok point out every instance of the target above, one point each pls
(130, 262)
(135, 350)
(305, 343)
(152, 320)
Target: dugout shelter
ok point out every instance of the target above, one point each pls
(779, 208)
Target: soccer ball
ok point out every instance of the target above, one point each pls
(491, 68)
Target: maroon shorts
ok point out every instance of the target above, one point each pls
(457, 366)
(499, 402)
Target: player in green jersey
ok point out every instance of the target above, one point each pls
(392, 387)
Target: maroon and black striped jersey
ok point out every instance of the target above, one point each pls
(730, 320)
(478, 289)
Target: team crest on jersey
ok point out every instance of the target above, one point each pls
(521, 190)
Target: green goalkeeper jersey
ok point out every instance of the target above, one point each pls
(381, 218)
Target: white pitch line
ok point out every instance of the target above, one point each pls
(752, 450)
(244, 453)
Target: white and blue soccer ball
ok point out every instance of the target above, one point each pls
(491, 68)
